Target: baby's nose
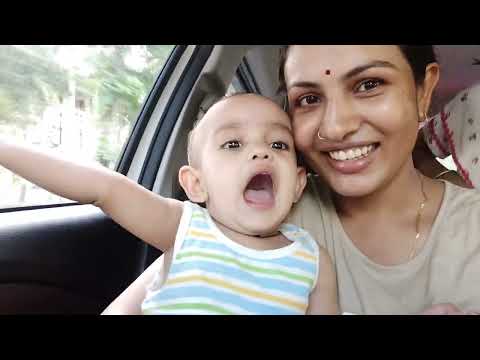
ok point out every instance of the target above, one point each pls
(260, 156)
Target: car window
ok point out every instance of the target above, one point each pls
(236, 86)
(82, 101)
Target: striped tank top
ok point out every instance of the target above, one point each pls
(211, 274)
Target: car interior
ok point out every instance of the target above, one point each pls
(73, 259)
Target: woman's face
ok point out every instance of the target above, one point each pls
(363, 100)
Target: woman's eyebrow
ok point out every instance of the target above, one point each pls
(305, 84)
(351, 73)
(373, 64)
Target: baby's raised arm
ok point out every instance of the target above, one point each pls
(150, 217)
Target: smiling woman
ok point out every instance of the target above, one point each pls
(356, 129)
(368, 93)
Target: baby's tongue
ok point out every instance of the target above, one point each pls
(259, 191)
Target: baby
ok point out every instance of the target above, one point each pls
(236, 255)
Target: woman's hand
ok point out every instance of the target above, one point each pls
(446, 309)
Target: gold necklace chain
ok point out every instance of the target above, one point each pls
(418, 219)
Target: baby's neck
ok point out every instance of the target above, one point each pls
(266, 241)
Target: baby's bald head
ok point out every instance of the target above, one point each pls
(225, 108)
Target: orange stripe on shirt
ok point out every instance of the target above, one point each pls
(253, 293)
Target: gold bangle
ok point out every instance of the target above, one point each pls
(444, 172)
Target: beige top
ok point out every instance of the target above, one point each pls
(447, 269)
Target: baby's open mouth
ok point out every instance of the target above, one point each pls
(259, 191)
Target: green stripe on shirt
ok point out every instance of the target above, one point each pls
(244, 266)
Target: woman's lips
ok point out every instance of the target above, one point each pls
(353, 166)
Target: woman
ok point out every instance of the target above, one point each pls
(401, 242)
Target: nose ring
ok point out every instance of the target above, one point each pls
(321, 138)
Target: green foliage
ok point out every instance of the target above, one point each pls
(31, 78)
(29, 81)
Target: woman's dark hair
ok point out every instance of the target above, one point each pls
(418, 57)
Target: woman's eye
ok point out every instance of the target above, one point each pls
(308, 100)
(368, 85)
(232, 144)
(279, 145)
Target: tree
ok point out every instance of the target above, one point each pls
(30, 80)
(120, 91)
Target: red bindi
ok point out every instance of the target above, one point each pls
(327, 72)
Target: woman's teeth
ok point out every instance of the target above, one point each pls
(352, 154)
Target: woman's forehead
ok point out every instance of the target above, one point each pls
(306, 62)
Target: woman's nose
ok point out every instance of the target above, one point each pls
(339, 121)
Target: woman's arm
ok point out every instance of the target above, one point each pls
(324, 298)
(130, 205)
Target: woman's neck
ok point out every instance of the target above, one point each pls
(402, 192)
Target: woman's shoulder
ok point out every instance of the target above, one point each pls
(463, 196)
(457, 227)
(314, 211)
(315, 199)
(461, 202)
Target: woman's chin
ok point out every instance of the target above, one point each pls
(358, 193)
(353, 186)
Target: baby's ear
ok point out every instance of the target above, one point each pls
(190, 181)
(301, 182)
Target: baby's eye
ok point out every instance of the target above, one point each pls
(308, 100)
(369, 85)
(279, 145)
(232, 144)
